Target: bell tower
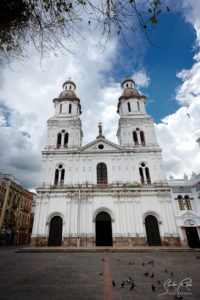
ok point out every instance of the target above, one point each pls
(135, 128)
(65, 128)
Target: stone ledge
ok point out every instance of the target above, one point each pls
(105, 249)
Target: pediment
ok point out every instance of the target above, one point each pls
(101, 145)
(188, 215)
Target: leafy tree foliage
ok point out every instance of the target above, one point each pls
(52, 24)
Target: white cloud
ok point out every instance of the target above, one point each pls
(28, 92)
(178, 133)
(190, 89)
(177, 137)
(141, 78)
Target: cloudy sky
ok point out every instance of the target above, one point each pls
(168, 74)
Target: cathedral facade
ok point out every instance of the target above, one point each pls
(103, 194)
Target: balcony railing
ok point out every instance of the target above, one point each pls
(102, 181)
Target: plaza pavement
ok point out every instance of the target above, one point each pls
(75, 275)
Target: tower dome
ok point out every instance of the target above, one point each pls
(68, 94)
(69, 88)
(128, 83)
(129, 92)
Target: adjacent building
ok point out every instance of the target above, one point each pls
(185, 194)
(15, 208)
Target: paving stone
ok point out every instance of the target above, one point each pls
(75, 276)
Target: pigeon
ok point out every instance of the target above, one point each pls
(128, 280)
(103, 259)
(150, 262)
(146, 274)
(100, 273)
(152, 275)
(122, 284)
(166, 271)
(132, 285)
(153, 288)
(113, 284)
(143, 263)
(129, 263)
(172, 274)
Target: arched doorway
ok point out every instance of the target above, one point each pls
(55, 231)
(193, 237)
(152, 230)
(103, 229)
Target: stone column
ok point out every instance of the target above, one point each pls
(139, 214)
(163, 216)
(44, 216)
(36, 218)
(135, 224)
(117, 219)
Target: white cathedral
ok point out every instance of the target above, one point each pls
(103, 194)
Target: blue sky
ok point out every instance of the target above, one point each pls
(174, 40)
(168, 75)
(177, 39)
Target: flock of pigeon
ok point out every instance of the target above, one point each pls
(131, 283)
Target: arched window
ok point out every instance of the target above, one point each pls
(56, 177)
(180, 202)
(135, 139)
(147, 175)
(62, 176)
(141, 175)
(188, 203)
(60, 108)
(59, 175)
(102, 174)
(129, 106)
(59, 137)
(66, 140)
(70, 108)
(144, 173)
(142, 138)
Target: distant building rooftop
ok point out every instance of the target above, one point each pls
(10, 177)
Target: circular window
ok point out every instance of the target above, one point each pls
(143, 164)
(101, 146)
(63, 130)
(137, 128)
(60, 166)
